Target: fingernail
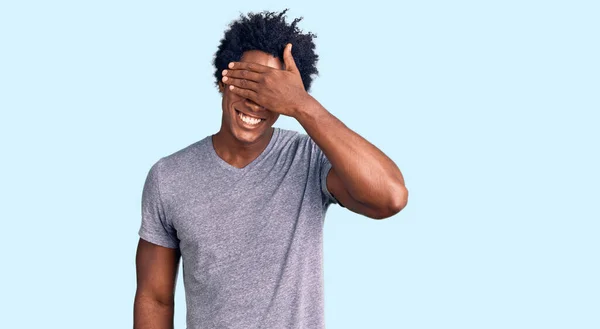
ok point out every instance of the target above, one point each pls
(230, 65)
(224, 79)
(224, 72)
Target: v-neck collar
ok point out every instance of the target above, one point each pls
(225, 165)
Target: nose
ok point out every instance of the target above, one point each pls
(253, 105)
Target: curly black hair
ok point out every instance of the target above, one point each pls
(268, 32)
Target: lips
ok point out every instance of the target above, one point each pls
(250, 115)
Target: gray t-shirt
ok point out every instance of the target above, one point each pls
(250, 238)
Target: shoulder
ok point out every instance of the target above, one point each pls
(181, 160)
(291, 136)
(190, 151)
(286, 136)
(294, 142)
(308, 144)
(301, 146)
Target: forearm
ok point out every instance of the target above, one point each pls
(149, 313)
(367, 173)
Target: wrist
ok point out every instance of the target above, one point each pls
(307, 108)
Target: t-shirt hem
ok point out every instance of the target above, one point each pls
(330, 196)
(156, 240)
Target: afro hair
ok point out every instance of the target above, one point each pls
(267, 32)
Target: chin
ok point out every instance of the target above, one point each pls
(246, 136)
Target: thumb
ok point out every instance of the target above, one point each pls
(288, 59)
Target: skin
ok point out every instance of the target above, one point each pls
(362, 177)
(157, 266)
(233, 143)
(154, 303)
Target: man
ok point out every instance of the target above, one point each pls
(244, 208)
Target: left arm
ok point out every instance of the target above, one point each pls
(362, 177)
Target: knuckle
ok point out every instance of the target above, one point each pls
(267, 79)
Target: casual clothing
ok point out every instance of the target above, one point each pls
(250, 238)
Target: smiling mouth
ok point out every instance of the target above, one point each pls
(249, 120)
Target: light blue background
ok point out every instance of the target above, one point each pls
(490, 109)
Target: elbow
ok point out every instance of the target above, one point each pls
(149, 297)
(398, 201)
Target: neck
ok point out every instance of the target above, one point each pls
(237, 153)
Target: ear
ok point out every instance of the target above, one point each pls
(221, 87)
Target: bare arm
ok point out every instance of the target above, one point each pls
(156, 269)
(362, 177)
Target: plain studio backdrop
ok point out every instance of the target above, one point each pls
(490, 109)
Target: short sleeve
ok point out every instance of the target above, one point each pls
(155, 226)
(324, 167)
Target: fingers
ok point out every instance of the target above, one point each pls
(242, 74)
(288, 59)
(249, 66)
(242, 83)
(246, 93)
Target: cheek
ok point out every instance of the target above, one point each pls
(275, 117)
(227, 101)
(232, 98)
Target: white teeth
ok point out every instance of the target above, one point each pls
(249, 120)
